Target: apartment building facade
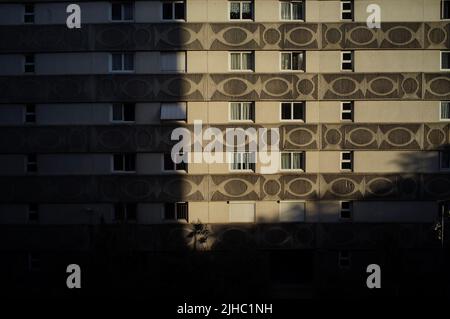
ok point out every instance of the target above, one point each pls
(363, 116)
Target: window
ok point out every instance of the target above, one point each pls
(173, 111)
(292, 61)
(241, 212)
(445, 60)
(173, 61)
(344, 259)
(292, 211)
(242, 161)
(292, 111)
(445, 9)
(30, 113)
(170, 165)
(292, 10)
(34, 262)
(346, 161)
(123, 112)
(124, 162)
(346, 111)
(445, 160)
(445, 111)
(31, 164)
(242, 111)
(33, 213)
(125, 212)
(28, 16)
(347, 10)
(176, 211)
(346, 210)
(173, 10)
(292, 160)
(122, 11)
(241, 61)
(347, 60)
(29, 63)
(241, 10)
(122, 62)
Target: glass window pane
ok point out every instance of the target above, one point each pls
(117, 112)
(130, 162)
(286, 111)
(117, 62)
(179, 11)
(128, 112)
(297, 11)
(118, 162)
(235, 111)
(445, 160)
(297, 159)
(445, 110)
(116, 11)
(169, 211)
(246, 111)
(247, 61)
(285, 61)
(346, 156)
(128, 62)
(246, 10)
(285, 11)
(346, 5)
(298, 111)
(235, 10)
(128, 11)
(346, 165)
(446, 10)
(167, 10)
(285, 160)
(445, 60)
(235, 61)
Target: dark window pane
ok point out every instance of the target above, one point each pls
(235, 11)
(182, 211)
(179, 11)
(29, 68)
(167, 11)
(116, 11)
(128, 11)
(446, 10)
(345, 205)
(169, 211)
(347, 16)
(445, 60)
(347, 165)
(128, 62)
(119, 212)
(130, 162)
(346, 66)
(298, 111)
(297, 11)
(129, 112)
(29, 8)
(29, 18)
(347, 56)
(346, 115)
(118, 162)
(346, 156)
(247, 10)
(117, 62)
(117, 112)
(29, 58)
(347, 5)
(131, 212)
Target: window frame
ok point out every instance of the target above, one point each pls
(123, 106)
(241, 53)
(122, 11)
(342, 161)
(176, 218)
(291, 10)
(122, 62)
(252, 8)
(351, 111)
(441, 168)
(352, 10)
(241, 105)
(441, 60)
(243, 170)
(29, 64)
(167, 53)
(161, 105)
(302, 69)
(31, 163)
(347, 210)
(440, 111)
(442, 10)
(303, 103)
(124, 158)
(303, 161)
(126, 208)
(351, 61)
(27, 113)
(184, 169)
(29, 14)
(173, 10)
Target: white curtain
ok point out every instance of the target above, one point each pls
(235, 111)
(445, 110)
(235, 61)
(247, 111)
(297, 160)
(285, 160)
(246, 61)
(173, 111)
(285, 61)
(285, 11)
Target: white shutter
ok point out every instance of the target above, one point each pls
(292, 211)
(242, 212)
(173, 111)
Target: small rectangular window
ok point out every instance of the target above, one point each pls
(176, 211)
(123, 112)
(445, 160)
(347, 10)
(170, 165)
(176, 111)
(173, 62)
(347, 111)
(122, 62)
(293, 161)
(31, 164)
(344, 259)
(347, 60)
(445, 111)
(241, 61)
(242, 161)
(293, 111)
(241, 10)
(445, 60)
(33, 213)
(292, 10)
(29, 64)
(28, 16)
(242, 111)
(125, 212)
(30, 113)
(122, 11)
(124, 162)
(346, 210)
(173, 10)
(292, 61)
(445, 9)
(347, 161)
